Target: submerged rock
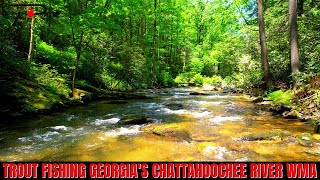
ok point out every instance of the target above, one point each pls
(169, 130)
(170, 104)
(197, 93)
(135, 119)
(315, 152)
(305, 139)
(272, 134)
(117, 102)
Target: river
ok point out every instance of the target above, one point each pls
(216, 123)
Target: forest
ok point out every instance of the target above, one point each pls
(88, 44)
(63, 53)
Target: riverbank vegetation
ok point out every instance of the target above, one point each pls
(80, 48)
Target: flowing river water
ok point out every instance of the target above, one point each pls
(216, 124)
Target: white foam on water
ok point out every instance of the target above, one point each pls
(64, 128)
(99, 122)
(201, 114)
(47, 136)
(148, 105)
(220, 119)
(170, 111)
(132, 130)
(217, 152)
(24, 139)
(205, 102)
(179, 93)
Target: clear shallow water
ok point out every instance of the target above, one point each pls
(215, 123)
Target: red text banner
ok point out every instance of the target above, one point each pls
(158, 170)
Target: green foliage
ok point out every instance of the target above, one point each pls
(166, 79)
(124, 45)
(198, 78)
(51, 79)
(248, 76)
(196, 65)
(63, 60)
(184, 78)
(281, 96)
(214, 80)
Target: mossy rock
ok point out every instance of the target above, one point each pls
(272, 134)
(135, 120)
(169, 130)
(305, 139)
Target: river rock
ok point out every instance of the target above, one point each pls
(305, 139)
(281, 108)
(292, 114)
(272, 134)
(315, 152)
(258, 100)
(316, 137)
(197, 93)
(135, 119)
(317, 126)
(168, 130)
(173, 105)
(237, 91)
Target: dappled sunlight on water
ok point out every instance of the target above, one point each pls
(215, 125)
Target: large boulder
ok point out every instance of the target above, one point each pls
(169, 130)
(305, 139)
(272, 134)
(136, 120)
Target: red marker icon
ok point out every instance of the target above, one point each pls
(30, 12)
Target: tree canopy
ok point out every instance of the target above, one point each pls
(133, 44)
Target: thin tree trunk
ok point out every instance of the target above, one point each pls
(159, 39)
(78, 48)
(294, 39)
(30, 55)
(264, 52)
(154, 42)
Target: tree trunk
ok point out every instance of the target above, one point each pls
(264, 52)
(294, 39)
(154, 42)
(30, 55)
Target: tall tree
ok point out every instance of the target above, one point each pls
(154, 42)
(264, 51)
(31, 45)
(294, 38)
